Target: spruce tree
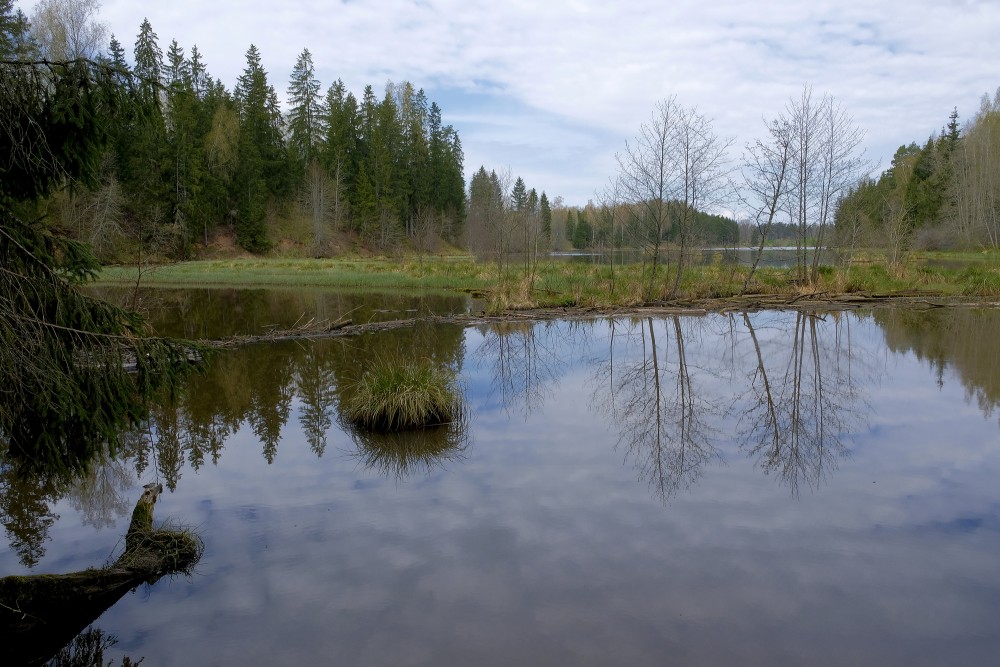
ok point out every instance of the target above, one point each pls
(74, 370)
(545, 211)
(306, 113)
(260, 167)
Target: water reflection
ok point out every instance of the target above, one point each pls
(803, 399)
(791, 387)
(649, 393)
(402, 455)
(25, 512)
(526, 360)
(964, 340)
(220, 312)
(720, 418)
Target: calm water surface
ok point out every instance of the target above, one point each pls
(764, 489)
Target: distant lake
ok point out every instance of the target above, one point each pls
(776, 488)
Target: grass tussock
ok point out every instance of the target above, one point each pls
(166, 550)
(399, 395)
(980, 280)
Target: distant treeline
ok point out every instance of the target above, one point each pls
(944, 194)
(511, 218)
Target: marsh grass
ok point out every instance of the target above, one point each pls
(980, 280)
(169, 549)
(357, 273)
(397, 394)
(556, 283)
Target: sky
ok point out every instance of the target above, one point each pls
(551, 90)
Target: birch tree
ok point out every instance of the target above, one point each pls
(826, 161)
(765, 181)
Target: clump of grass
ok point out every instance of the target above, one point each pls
(868, 278)
(980, 280)
(399, 395)
(166, 550)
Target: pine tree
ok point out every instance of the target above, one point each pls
(570, 227)
(185, 132)
(148, 63)
(340, 149)
(143, 142)
(582, 231)
(519, 196)
(15, 38)
(546, 214)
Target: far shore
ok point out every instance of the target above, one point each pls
(943, 279)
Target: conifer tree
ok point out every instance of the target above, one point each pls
(66, 388)
(545, 212)
(259, 171)
(340, 149)
(306, 114)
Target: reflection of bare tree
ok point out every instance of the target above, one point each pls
(660, 413)
(527, 359)
(793, 422)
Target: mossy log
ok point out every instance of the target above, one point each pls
(39, 614)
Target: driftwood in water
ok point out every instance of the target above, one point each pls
(813, 301)
(39, 614)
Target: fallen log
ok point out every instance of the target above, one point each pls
(39, 614)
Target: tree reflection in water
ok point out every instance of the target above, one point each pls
(803, 398)
(787, 390)
(651, 397)
(526, 360)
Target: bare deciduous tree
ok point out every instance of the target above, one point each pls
(647, 180)
(675, 164)
(975, 211)
(826, 160)
(67, 29)
(702, 162)
(765, 174)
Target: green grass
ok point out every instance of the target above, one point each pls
(362, 273)
(398, 395)
(980, 280)
(570, 284)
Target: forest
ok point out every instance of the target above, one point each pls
(942, 195)
(186, 157)
(187, 167)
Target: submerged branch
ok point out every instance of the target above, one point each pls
(746, 303)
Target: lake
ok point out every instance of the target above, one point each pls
(774, 488)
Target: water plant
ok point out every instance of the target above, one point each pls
(396, 394)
